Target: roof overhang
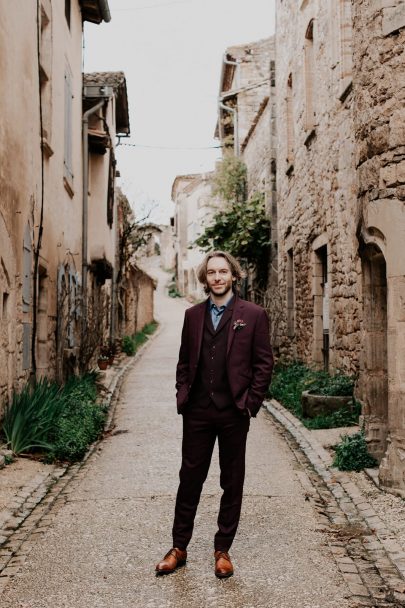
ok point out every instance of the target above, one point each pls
(95, 11)
(95, 82)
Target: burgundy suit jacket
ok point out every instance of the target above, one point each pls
(249, 358)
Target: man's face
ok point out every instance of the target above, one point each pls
(219, 276)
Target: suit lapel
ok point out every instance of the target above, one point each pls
(200, 326)
(236, 314)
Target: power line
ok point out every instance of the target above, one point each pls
(140, 8)
(168, 147)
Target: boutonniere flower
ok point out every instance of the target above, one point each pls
(238, 324)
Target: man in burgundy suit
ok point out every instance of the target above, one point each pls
(223, 372)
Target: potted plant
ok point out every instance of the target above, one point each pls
(102, 361)
(325, 394)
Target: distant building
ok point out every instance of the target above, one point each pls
(195, 206)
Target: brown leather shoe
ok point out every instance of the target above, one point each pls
(223, 564)
(172, 560)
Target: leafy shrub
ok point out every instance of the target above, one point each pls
(290, 380)
(128, 345)
(352, 453)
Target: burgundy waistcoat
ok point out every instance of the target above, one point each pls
(211, 381)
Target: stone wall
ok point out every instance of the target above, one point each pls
(379, 121)
(318, 260)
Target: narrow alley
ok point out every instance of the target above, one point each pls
(99, 547)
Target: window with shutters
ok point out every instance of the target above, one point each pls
(68, 156)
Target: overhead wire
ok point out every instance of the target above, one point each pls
(173, 148)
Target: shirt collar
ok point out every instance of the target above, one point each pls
(212, 305)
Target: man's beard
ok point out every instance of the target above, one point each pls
(225, 289)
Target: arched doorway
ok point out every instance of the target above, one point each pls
(373, 383)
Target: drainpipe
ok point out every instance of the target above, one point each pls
(85, 213)
(105, 10)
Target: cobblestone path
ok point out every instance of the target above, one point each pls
(98, 545)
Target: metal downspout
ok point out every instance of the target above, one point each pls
(85, 211)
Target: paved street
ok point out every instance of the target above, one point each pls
(114, 524)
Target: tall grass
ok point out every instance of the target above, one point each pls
(60, 421)
(31, 416)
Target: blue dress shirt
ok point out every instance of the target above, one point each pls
(217, 312)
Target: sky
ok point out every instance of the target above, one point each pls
(171, 52)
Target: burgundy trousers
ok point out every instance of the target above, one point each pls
(201, 427)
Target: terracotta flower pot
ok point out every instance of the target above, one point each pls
(102, 364)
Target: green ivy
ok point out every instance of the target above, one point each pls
(242, 227)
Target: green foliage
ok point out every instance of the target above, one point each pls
(59, 420)
(338, 385)
(352, 453)
(242, 227)
(230, 179)
(81, 421)
(130, 344)
(344, 417)
(290, 380)
(31, 415)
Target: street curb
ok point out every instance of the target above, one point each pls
(348, 496)
(46, 488)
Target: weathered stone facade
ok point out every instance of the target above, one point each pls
(341, 191)
(379, 120)
(318, 248)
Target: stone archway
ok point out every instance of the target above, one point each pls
(373, 383)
